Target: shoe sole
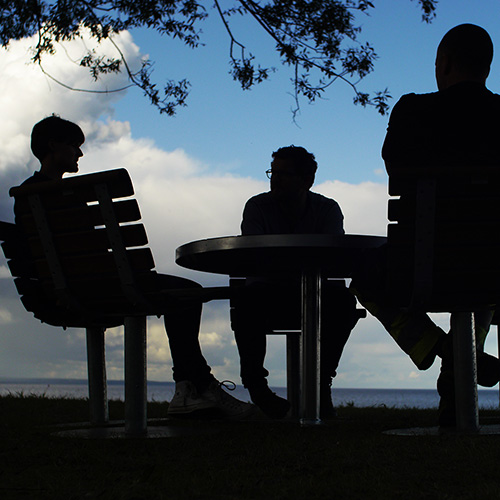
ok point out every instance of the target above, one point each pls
(209, 413)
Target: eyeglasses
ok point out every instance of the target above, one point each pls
(272, 172)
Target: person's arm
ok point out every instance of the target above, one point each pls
(253, 220)
(334, 219)
(405, 139)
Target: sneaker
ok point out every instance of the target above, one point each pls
(488, 369)
(272, 405)
(440, 349)
(186, 400)
(226, 405)
(212, 403)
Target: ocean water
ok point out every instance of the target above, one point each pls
(163, 391)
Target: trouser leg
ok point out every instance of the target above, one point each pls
(482, 322)
(338, 319)
(182, 324)
(252, 350)
(277, 306)
(415, 333)
(249, 323)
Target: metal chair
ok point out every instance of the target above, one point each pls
(442, 256)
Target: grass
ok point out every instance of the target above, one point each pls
(349, 458)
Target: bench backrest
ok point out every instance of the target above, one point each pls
(444, 244)
(86, 256)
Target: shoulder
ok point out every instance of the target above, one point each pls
(36, 178)
(320, 200)
(493, 96)
(324, 205)
(414, 103)
(260, 199)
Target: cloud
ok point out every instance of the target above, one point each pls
(364, 205)
(5, 316)
(182, 198)
(27, 96)
(5, 273)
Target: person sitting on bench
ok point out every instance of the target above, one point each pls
(57, 145)
(455, 126)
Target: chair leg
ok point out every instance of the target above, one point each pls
(96, 366)
(135, 376)
(465, 370)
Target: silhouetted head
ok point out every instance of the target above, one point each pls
(56, 143)
(293, 170)
(464, 54)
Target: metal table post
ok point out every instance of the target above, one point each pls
(310, 348)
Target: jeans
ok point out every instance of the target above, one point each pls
(182, 324)
(267, 306)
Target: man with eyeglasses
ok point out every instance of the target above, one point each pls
(290, 208)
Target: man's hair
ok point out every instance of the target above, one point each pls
(471, 48)
(54, 128)
(303, 161)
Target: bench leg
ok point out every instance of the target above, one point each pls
(465, 370)
(96, 366)
(293, 372)
(135, 376)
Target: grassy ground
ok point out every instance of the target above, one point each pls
(349, 458)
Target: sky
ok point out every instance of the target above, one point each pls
(192, 173)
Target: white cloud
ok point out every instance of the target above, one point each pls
(5, 316)
(4, 272)
(364, 205)
(181, 199)
(27, 95)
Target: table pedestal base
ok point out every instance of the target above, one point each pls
(310, 348)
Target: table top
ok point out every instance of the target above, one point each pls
(272, 254)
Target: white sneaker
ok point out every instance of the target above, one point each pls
(186, 400)
(214, 402)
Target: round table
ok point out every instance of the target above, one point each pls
(310, 256)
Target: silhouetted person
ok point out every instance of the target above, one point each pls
(57, 144)
(290, 208)
(456, 126)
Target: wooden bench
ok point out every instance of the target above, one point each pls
(80, 259)
(443, 255)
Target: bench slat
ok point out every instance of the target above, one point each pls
(83, 217)
(88, 260)
(83, 187)
(102, 264)
(91, 241)
(444, 237)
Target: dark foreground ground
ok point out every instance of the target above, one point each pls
(350, 458)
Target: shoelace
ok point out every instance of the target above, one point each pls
(228, 384)
(225, 398)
